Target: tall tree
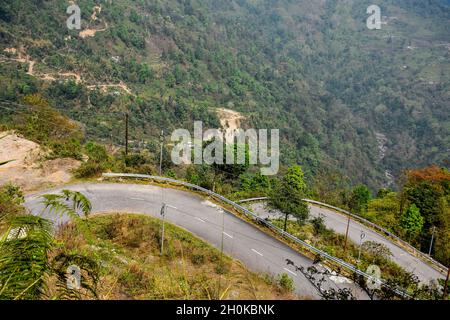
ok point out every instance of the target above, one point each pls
(429, 189)
(359, 199)
(288, 194)
(412, 221)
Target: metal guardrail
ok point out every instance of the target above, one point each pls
(381, 230)
(252, 199)
(258, 219)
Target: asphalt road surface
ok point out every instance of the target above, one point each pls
(256, 250)
(338, 222)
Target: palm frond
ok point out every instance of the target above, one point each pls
(71, 203)
(55, 205)
(24, 257)
(25, 248)
(5, 162)
(79, 200)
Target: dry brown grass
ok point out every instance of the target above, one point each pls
(127, 247)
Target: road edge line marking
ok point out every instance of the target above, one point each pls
(291, 272)
(257, 252)
(229, 236)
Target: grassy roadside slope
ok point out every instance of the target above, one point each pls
(127, 247)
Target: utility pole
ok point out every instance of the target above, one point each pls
(432, 239)
(361, 237)
(285, 221)
(126, 133)
(161, 153)
(346, 234)
(444, 297)
(163, 213)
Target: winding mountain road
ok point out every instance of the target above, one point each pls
(338, 222)
(241, 240)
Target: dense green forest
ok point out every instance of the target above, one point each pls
(363, 116)
(349, 101)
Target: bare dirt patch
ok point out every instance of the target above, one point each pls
(230, 119)
(94, 13)
(104, 87)
(11, 50)
(77, 76)
(28, 167)
(90, 32)
(21, 57)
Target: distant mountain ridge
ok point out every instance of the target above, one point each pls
(310, 68)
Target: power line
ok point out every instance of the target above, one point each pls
(23, 112)
(90, 112)
(29, 110)
(28, 114)
(95, 112)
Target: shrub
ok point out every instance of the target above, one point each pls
(99, 161)
(319, 225)
(135, 160)
(198, 259)
(378, 250)
(89, 169)
(286, 283)
(70, 148)
(11, 198)
(222, 268)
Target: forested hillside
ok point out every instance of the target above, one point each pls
(365, 103)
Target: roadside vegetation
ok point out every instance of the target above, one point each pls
(33, 263)
(36, 120)
(117, 256)
(417, 212)
(169, 63)
(315, 233)
(128, 249)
